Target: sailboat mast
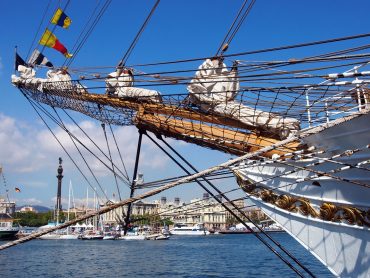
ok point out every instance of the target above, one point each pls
(87, 202)
(95, 220)
(69, 199)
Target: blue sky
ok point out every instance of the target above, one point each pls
(177, 30)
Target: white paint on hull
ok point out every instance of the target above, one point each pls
(344, 249)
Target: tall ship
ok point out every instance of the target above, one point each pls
(297, 128)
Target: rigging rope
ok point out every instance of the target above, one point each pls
(75, 138)
(82, 156)
(34, 105)
(38, 29)
(111, 160)
(119, 152)
(228, 38)
(134, 42)
(232, 212)
(210, 170)
(68, 62)
(53, 29)
(93, 142)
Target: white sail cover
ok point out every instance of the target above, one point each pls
(214, 88)
(254, 117)
(121, 83)
(61, 78)
(213, 83)
(56, 79)
(26, 76)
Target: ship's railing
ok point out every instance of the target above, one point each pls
(336, 106)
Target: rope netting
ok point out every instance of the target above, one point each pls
(255, 104)
(233, 126)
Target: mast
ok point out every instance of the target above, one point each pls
(69, 198)
(69, 203)
(87, 202)
(95, 218)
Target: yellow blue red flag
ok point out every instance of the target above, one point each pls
(61, 19)
(50, 40)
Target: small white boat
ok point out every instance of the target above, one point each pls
(50, 236)
(183, 229)
(133, 237)
(162, 237)
(136, 233)
(110, 236)
(69, 236)
(158, 236)
(91, 237)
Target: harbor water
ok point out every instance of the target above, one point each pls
(182, 256)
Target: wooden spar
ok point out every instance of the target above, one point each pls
(158, 108)
(203, 129)
(214, 137)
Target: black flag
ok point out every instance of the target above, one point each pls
(18, 61)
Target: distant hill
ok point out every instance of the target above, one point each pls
(36, 207)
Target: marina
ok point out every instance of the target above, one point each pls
(272, 132)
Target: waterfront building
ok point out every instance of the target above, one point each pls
(138, 208)
(200, 210)
(28, 209)
(206, 210)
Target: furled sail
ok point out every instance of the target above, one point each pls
(121, 82)
(214, 89)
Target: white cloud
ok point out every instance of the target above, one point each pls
(32, 149)
(29, 154)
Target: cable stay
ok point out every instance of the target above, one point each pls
(234, 206)
(110, 157)
(127, 54)
(82, 156)
(119, 152)
(87, 30)
(93, 142)
(34, 106)
(235, 26)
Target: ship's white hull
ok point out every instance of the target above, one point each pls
(345, 250)
(342, 246)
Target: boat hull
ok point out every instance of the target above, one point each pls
(69, 236)
(189, 233)
(8, 233)
(345, 250)
(327, 213)
(133, 237)
(50, 236)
